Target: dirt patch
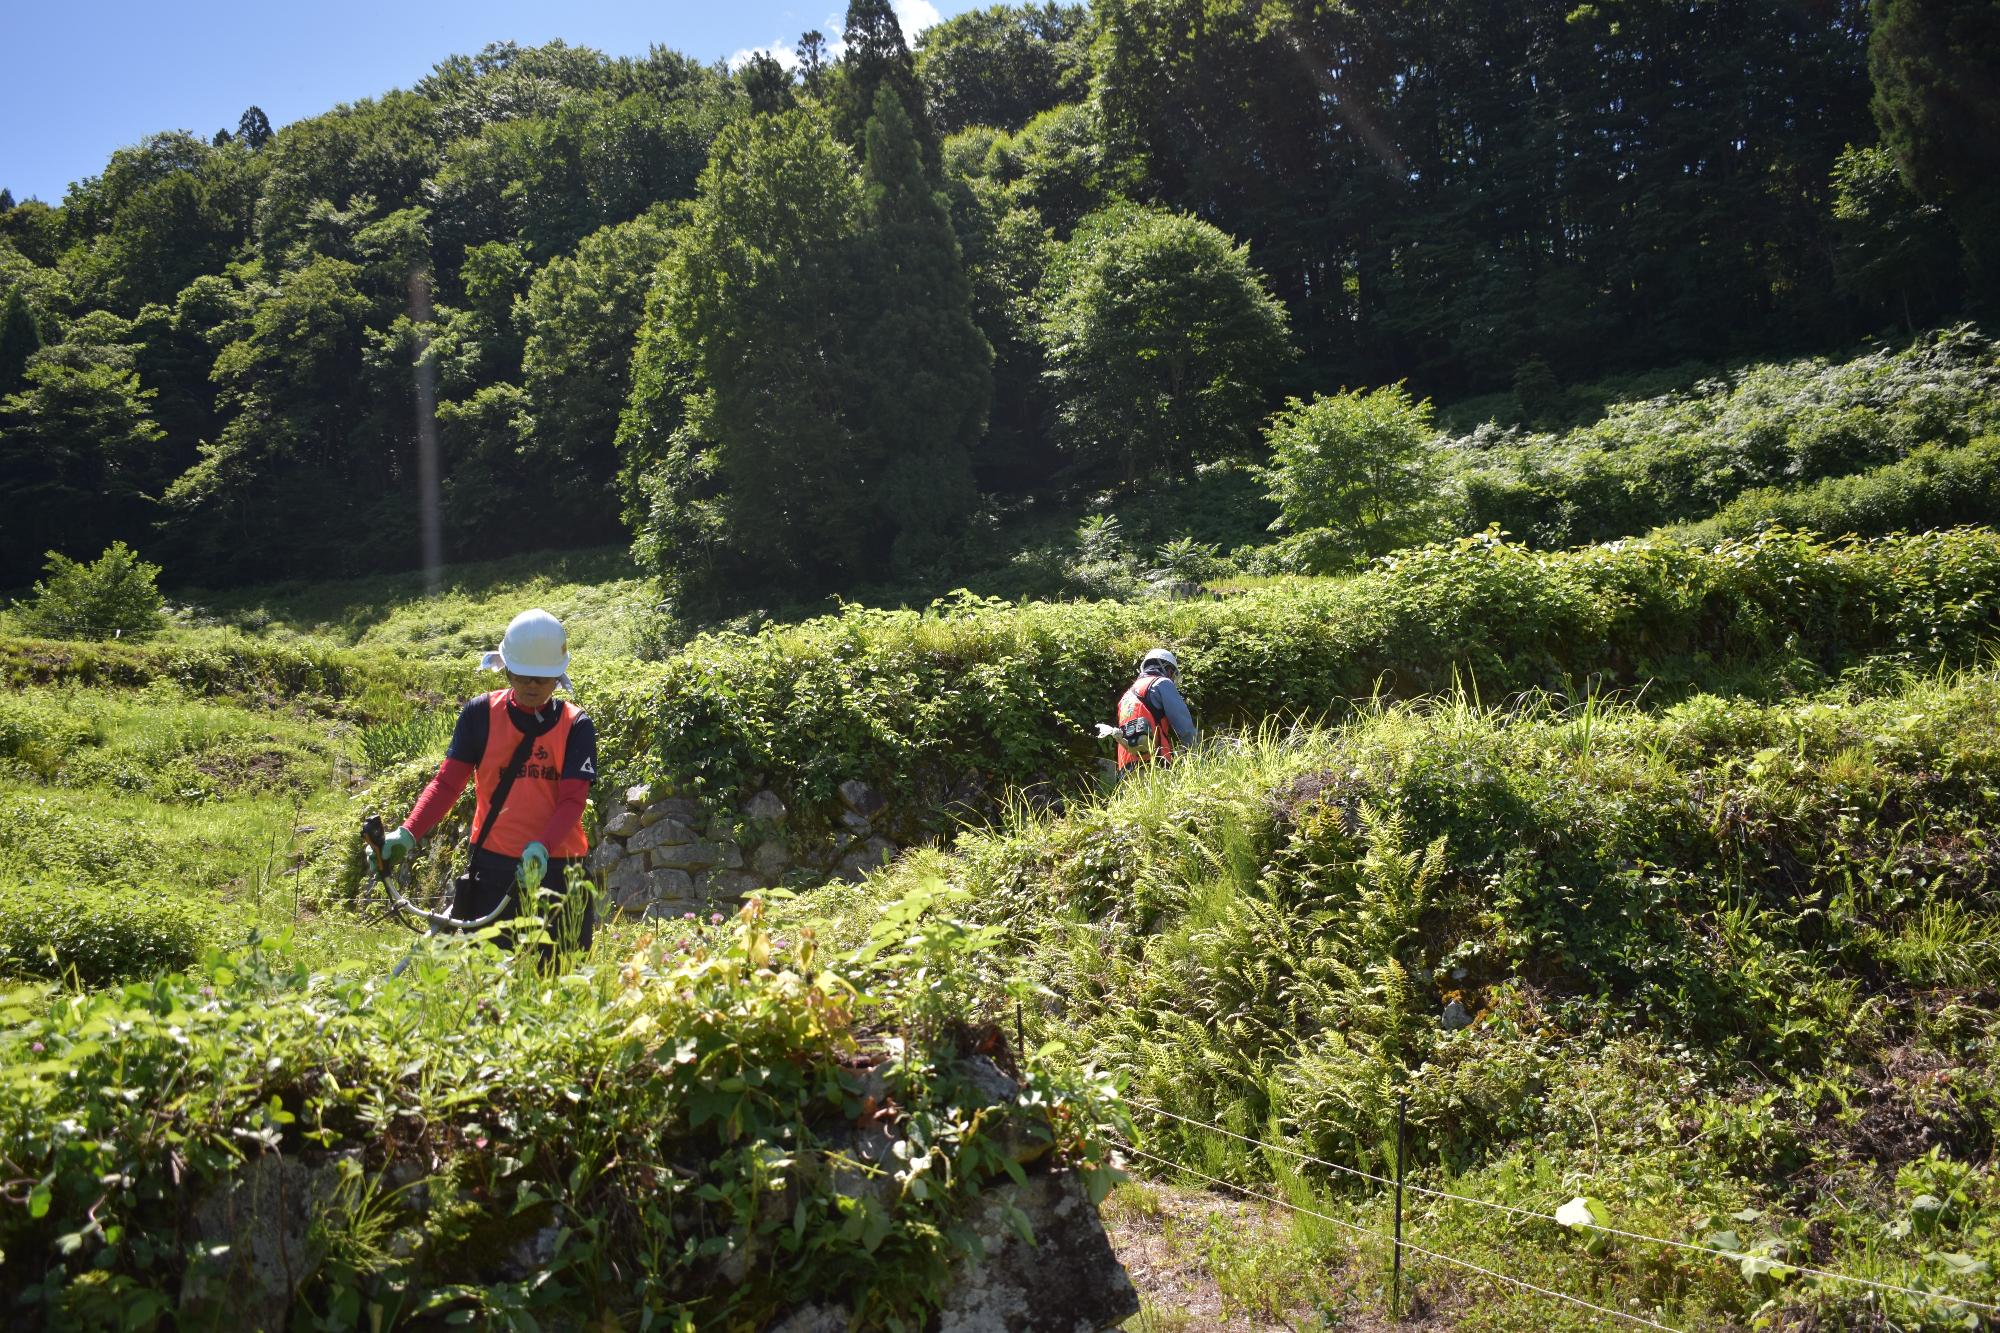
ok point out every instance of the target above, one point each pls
(265, 768)
(1907, 1102)
(1169, 1239)
(1326, 786)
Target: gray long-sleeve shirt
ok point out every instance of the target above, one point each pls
(1166, 696)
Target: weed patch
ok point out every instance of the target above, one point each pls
(673, 1134)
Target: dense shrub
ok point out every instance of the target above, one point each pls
(1934, 487)
(90, 935)
(676, 1126)
(114, 595)
(1351, 474)
(1683, 456)
(915, 702)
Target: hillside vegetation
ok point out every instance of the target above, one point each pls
(916, 701)
(671, 1136)
(1583, 547)
(1687, 455)
(793, 329)
(1723, 967)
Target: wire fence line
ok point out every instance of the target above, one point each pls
(1612, 1311)
(1411, 1246)
(1736, 1256)
(1369, 1232)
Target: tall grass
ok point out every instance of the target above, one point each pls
(1707, 951)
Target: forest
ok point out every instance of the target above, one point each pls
(807, 325)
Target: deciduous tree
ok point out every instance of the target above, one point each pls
(744, 464)
(1350, 473)
(1163, 342)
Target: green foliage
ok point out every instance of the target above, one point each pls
(279, 295)
(874, 57)
(1896, 251)
(1103, 565)
(580, 317)
(606, 607)
(1162, 342)
(75, 445)
(1402, 249)
(1933, 487)
(1187, 562)
(758, 475)
(113, 596)
(281, 480)
(644, 1113)
(20, 338)
(172, 750)
(223, 666)
(1002, 65)
(1685, 455)
(915, 701)
(87, 935)
(1934, 69)
(1689, 949)
(927, 368)
(420, 736)
(810, 382)
(1351, 474)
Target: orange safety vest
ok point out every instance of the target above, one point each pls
(532, 799)
(1135, 703)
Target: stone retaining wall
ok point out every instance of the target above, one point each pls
(662, 856)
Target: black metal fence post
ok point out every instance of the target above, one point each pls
(1396, 1276)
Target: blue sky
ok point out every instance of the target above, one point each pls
(84, 78)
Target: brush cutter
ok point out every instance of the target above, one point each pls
(412, 916)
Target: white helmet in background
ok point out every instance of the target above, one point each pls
(1163, 659)
(535, 644)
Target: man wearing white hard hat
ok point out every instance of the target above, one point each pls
(536, 833)
(1152, 715)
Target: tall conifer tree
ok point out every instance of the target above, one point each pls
(876, 57)
(20, 338)
(927, 368)
(1936, 70)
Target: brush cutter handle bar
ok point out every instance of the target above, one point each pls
(439, 923)
(371, 833)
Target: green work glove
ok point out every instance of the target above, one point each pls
(534, 864)
(397, 848)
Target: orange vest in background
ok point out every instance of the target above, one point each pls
(532, 798)
(1134, 704)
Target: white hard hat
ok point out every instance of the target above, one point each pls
(535, 644)
(1164, 656)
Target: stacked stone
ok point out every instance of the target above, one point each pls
(662, 856)
(857, 847)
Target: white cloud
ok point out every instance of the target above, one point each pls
(782, 52)
(915, 15)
